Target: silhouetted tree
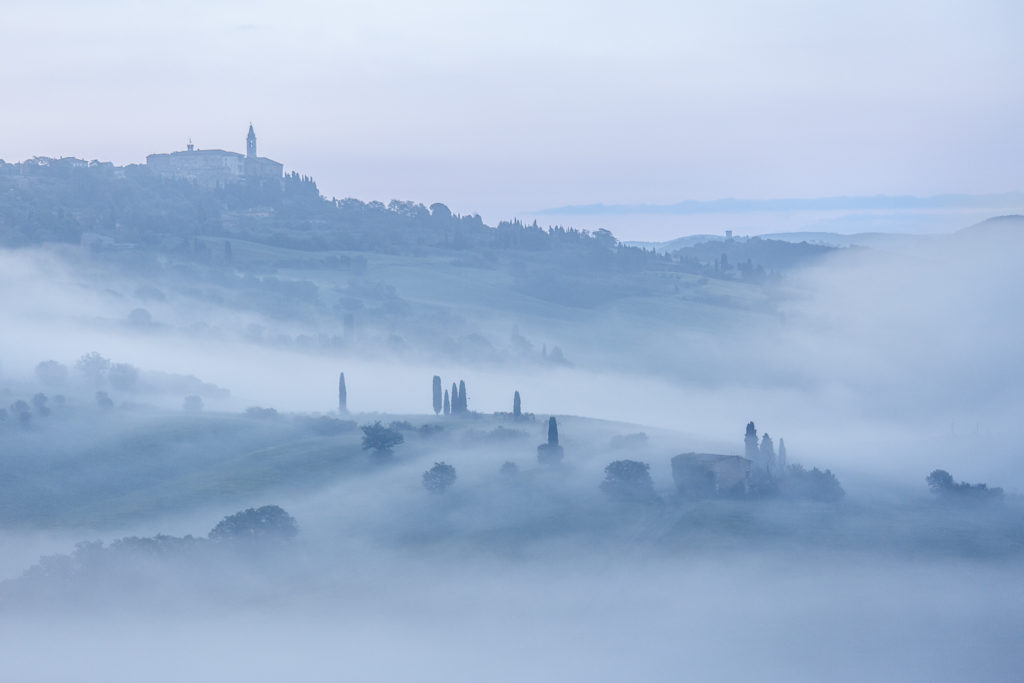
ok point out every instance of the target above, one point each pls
(517, 406)
(455, 399)
(264, 523)
(22, 411)
(767, 452)
(750, 442)
(812, 484)
(103, 400)
(463, 400)
(509, 468)
(629, 481)
(93, 367)
(342, 394)
(942, 483)
(227, 251)
(447, 408)
(437, 395)
(380, 439)
(781, 465)
(439, 477)
(550, 453)
(193, 403)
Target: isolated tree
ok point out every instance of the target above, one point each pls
(767, 452)
(517, 406)
(550, 453)
(193, 403)
(780, 464)
(750, 442)
(447, 408)
(463, 402)
(342, 394)
(380, 439)
(455, 399)
(509, 468)
(629, 481)
(940, 481)
(263, 523)
(52, 373)
(123, 377)
(103, 400)
(93, 367)
(439, 477)
(438, 405)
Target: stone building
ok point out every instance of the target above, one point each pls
(214, 167)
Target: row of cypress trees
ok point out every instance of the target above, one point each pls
(763, 453)
(454, 403)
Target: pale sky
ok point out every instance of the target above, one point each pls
(502, 108)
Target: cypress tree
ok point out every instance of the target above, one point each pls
(447, 404)
(750, 442)
(517, 406)
(342, 394)
(550, 453)
(455, 399)
(463, 404)
(767, 452)
(437, 395)
(781, 460)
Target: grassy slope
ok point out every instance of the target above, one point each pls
(130, 467)
(491, 299)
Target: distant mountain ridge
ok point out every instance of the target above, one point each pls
(1009, 226)
(998, 226)
(1014, 200)
(830, 239)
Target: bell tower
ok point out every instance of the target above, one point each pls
(250, 143)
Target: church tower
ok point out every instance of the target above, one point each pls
(250, 144)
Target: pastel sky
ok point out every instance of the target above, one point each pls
(502, 108)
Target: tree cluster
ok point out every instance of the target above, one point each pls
(943, 485)
(629, 481)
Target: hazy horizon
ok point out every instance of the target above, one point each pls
(504, 110)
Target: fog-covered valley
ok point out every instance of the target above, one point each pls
(185, 494)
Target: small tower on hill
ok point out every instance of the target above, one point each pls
(250, 143)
